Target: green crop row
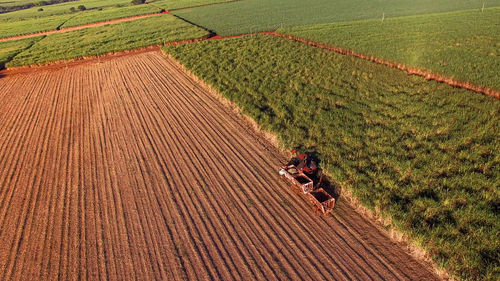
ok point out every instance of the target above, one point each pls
(264, 15)
(464, 45)
(424, 153)
(108, 38)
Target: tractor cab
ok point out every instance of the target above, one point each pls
(304, 163)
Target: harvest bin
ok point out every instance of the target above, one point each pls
(322, 201)
(300, 183)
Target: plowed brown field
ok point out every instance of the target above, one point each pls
(129, 169)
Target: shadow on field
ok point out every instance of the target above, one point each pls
(2, 67)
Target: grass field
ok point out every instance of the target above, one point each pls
(54, 16)
(108, 38)
(423, 153)
(34, 25)
(109, 14)
(12, 6)
(61, 9)
(10, 49)
(464, 45)
(264, 15)
(9, 3)
(169, 4)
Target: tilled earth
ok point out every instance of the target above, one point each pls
(128, 169)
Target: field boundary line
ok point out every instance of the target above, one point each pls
(410, 70)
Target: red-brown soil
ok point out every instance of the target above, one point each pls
(130, 169)
(95, 24)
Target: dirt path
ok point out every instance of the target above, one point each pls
(129, 169)
(95, 24)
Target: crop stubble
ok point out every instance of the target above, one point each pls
(129, 169)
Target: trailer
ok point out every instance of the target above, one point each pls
(322, 201)
(294, 173)
(299, 182)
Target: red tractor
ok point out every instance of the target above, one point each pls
(304, 177)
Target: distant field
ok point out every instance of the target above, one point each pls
(263, 15)
(109, 14)
(425, 153)
(54, 16)
(23, 23)
(10, 49)
(108, 38)
(61, 9)
(12, 6)
(170, 4)
(8, 3)
(34, 25)
(464, 45)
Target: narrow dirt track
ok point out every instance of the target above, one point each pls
(129, 169)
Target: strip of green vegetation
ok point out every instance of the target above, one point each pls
(422, 152)
(463, 45)
(25, 22)
(10, 3)
(55, 16)
(62, 9)
(32, 25)
(169, 4)
(264, 15)
(11, 6)
(108, 38)
(91, 16)
(10, 49)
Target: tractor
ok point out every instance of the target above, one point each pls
(304, 177)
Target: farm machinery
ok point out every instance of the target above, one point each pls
(304, 177)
